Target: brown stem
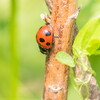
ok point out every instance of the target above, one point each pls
(56, 75)
(56, 81)
(94, 92)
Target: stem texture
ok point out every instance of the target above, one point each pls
(63, 17)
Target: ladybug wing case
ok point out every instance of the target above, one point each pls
(44, 38)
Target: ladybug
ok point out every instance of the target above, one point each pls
(44, 38)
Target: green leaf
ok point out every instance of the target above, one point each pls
(65, 58)
(73, 89)
(73, 93)
(88, 38)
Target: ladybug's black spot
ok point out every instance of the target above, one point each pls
(47, 33)
(42, 40)
(47, 43)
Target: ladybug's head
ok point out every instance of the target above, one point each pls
(43, 50)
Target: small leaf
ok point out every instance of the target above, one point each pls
(88, 38)
(65, 58)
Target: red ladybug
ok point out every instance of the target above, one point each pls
(44, 38)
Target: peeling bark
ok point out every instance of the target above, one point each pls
(94, 90)
(63, 17)
(49, 5)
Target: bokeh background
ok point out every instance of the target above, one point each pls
(22, 66)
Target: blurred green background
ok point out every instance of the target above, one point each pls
(21, 63)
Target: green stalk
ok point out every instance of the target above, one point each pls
(13, 52)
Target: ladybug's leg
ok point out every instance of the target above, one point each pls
(46, 18)
(56, 36)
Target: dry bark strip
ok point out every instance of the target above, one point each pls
(94, 92)
(56, 74)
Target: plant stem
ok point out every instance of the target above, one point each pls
(63, 23)
(13, 52)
